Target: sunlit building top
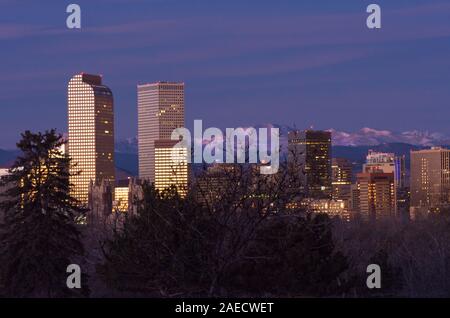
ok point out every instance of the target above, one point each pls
(91, 132)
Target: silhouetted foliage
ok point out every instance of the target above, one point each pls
(391, 276)
(39, 237)
(239, 242)
(292, 255)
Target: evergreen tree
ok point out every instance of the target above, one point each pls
(39, 237)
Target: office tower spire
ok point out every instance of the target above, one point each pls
(91, 132)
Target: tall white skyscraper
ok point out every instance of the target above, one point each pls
(160, 111)
(91, 132)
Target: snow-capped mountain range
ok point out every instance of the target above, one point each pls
(373, 137)
(352, 145)
(363, 137)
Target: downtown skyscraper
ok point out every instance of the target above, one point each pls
(160, 111)
(373, 197)
(387, 163)
(91, 133)
(381, 162)
(430, 181)
(310, 157)
(342, 175)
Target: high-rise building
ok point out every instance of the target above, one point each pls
(354, 199)
(310, 157)
(400, 172)
(387, 163)
(379, 162)
(430, 180)
(91, 133)
(376, 195)
(171, 167)
(160, 111)
(341, 178)
(212, 184)
(390, 163)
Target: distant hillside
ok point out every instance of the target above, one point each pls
(358, 153)
(372, 137)
(127, 162)
(7, 157)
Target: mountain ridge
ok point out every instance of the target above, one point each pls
(353, 146)
(364, 137)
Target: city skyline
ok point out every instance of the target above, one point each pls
(297, 63)
(245, 150)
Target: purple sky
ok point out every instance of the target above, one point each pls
(244, 62)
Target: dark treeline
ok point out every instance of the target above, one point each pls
(174, 247)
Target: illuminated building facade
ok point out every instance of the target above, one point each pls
(430, 180)
(333, 208)
(91, 133)
(160, 111)
(121, 197)
(387, 163)
(341, 178)
(171, 166)
(354, 199)
(379, 162)
(400, 172)
(390, 163)
(213, 184)
(376, 195)
(127, 196)
(310, 154)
